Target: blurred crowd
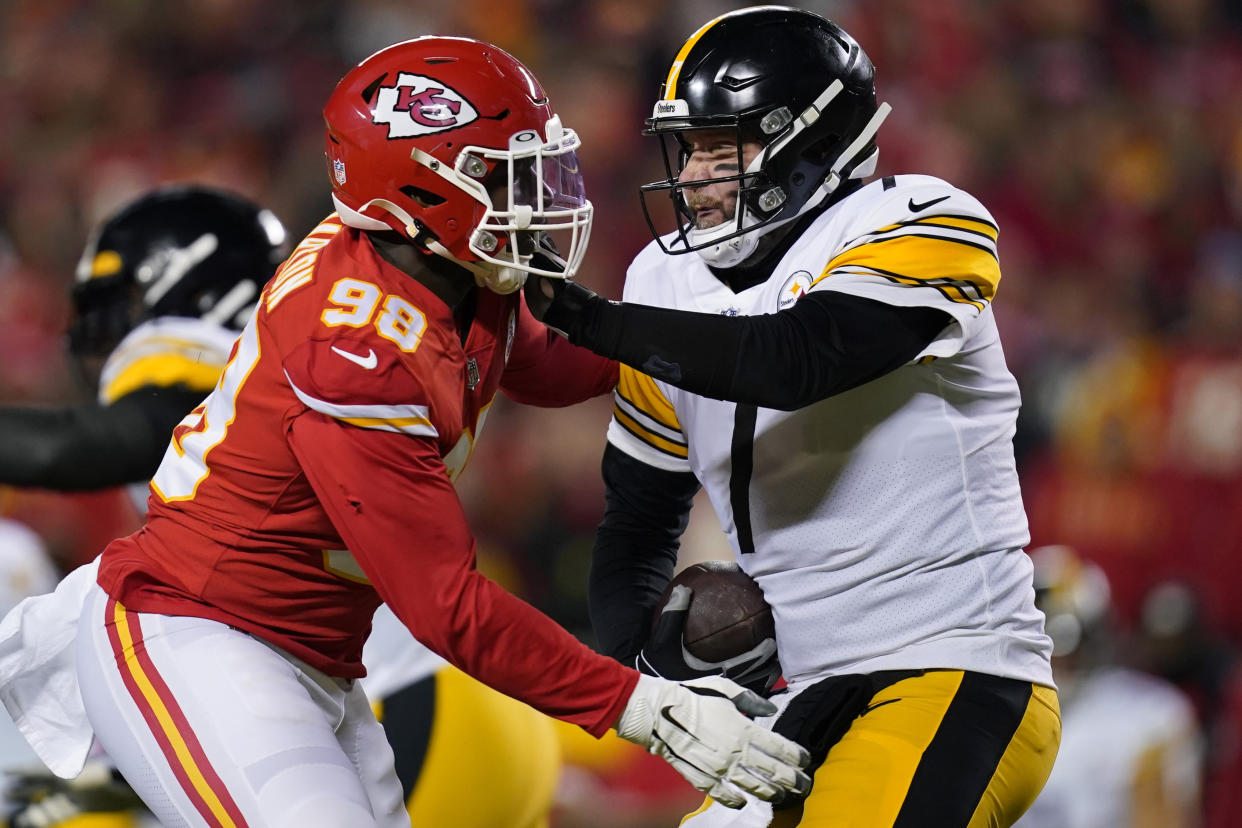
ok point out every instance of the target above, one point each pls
(1104, 135)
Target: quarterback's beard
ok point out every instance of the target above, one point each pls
(724, 212)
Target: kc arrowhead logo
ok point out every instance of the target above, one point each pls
(419, 105)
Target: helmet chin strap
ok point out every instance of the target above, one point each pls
(498, 279)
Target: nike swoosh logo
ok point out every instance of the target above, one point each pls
(871, 707)
(915, 207)
(368, 362)
(668, 716)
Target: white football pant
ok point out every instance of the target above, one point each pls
(213, 727)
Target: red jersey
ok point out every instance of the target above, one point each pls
(316, 480)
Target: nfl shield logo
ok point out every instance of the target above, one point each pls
(338, 169)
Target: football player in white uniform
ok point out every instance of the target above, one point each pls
(820, 354)
(1131, 755)
(161, 292)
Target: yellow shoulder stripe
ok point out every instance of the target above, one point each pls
(397, 423)
(164, 370)
(970, 225)
(962, 271)
(977, 226)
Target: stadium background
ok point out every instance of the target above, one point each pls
(1104, 135)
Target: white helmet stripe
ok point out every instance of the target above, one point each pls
(809, 116)
(179, 262)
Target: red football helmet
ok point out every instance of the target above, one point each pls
(451, 142)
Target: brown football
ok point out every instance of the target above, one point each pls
(728, 614)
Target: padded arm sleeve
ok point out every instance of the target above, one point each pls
(636, 545)
(91, 446)
(827, 343)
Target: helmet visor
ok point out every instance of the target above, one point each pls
(552, 183)
(538, 189)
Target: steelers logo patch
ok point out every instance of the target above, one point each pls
(793, 289)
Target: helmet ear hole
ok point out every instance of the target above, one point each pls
(424, 198)
(823, 151)
(368, 94)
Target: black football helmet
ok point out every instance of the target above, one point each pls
(181, 250)
(791, 80)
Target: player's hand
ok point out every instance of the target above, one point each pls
(542, 291)
(557, 302)
(666, 655)
(698, 727)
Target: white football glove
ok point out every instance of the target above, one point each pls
(697, 728)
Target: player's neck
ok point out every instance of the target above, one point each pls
(451, 283)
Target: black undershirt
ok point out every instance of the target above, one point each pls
(91, 446)
(645, 513)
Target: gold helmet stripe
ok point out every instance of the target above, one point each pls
(670, 85)
(105, 263)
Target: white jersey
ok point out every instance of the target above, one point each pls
(394, 658)
(167, 350)
(886, 522)
(1123, 733)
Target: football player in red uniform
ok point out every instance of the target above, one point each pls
(162, 290)
(218, 653)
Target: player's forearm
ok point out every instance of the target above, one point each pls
(502, 641)
(392, 503)
(545, 370)
(636, 545)
(625, 589)
(81, 448)
(825, 344)
(516, 649)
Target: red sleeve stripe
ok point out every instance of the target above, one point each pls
(168, 724)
